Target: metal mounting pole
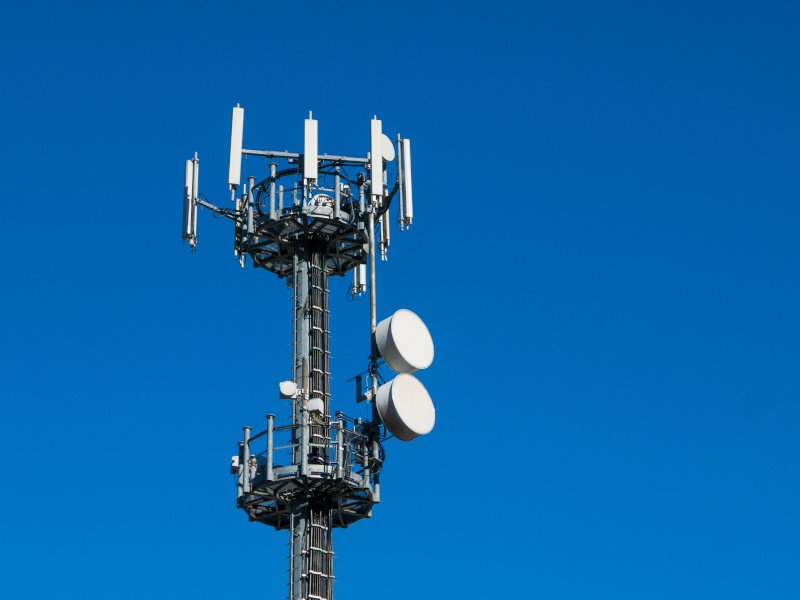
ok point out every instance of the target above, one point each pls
(373, 325)
(299, 507)
(272, 170)
(270, 445)
(311, 572)
(246, 465)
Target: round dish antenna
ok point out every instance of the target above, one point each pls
(405, 407)
(404, 342)
(288, 389)
(315, 405)
(387, 148)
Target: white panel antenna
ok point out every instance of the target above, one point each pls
(235, 165)
(237, 235)
(190, 177)
(310, 152)
(359, 280)
(195, 184)
(376, 156)
(188, 188)
(385, 235)
(404, 165)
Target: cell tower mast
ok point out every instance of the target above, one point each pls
(310, 219)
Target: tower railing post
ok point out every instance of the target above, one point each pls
(270, 445)
(339, 447)
(240, 474)
(246, 466)
(303, 442)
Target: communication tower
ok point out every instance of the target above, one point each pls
(310, 216)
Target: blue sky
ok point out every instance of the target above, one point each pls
(605, 250)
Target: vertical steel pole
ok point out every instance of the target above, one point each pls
(337, 193)
(251, 181)
(240, 474)
(246, 466)
(273, 169)
(298, 575)
(339, 446)
(373, 312)
(373, 324)
(401, 201)
(302, 313)
(304, 431)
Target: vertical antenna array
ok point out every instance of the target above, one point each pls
(322, 470)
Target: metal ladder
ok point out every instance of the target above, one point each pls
(319, 355)
(319, 556)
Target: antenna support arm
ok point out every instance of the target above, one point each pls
(216, 209)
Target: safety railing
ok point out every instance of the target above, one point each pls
(330, 449)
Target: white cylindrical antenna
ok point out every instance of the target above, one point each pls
(195, 183)
(385, 235)
(405, 182)
(280, 198)
(188, 204)
(244, 231)
(235, 165)
(251, 181)
(337, 192)
(359, 279)
(273, 170)
(237, 230)
(310, 152)
(376, 157)
(190, 179)
(400, 200)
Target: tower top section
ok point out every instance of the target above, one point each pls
(309, 198)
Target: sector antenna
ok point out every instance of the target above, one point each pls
(307, 217)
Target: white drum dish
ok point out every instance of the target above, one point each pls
(315, 405)
(387, 148)
(405, 407)
(404, 342)
(288, 389)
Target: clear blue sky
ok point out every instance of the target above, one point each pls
(605, 250)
